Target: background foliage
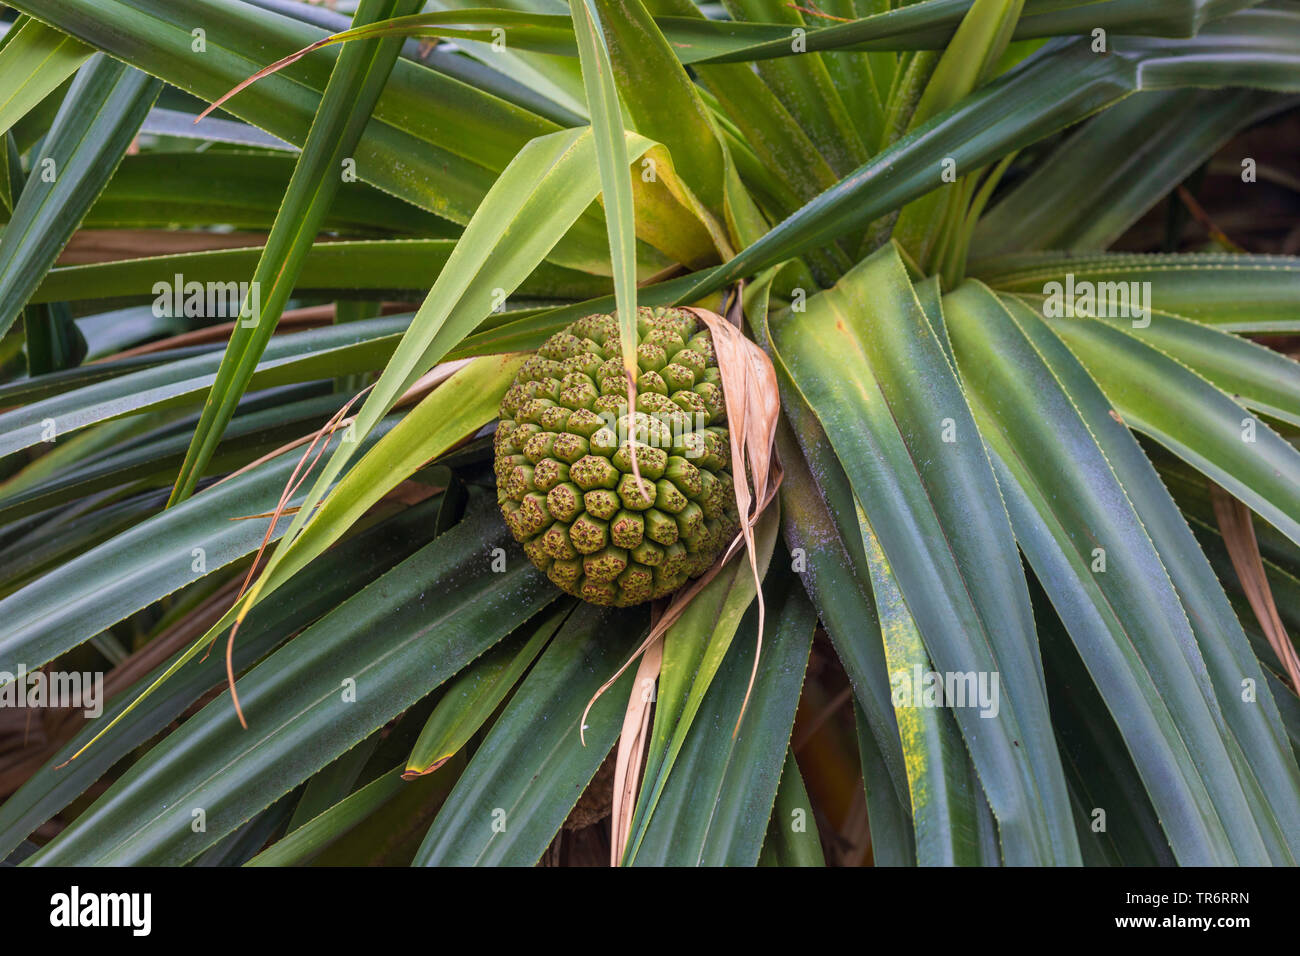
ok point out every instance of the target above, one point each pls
(1101, 512)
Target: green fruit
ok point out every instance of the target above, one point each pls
(564, 459)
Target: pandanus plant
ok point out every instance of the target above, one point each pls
(991, 552)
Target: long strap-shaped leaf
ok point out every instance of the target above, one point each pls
(1098, 767)
(792, 837)
(452, 412)
(476, 693)
(531, 205)
(927, 224)
(315, 354)
(943, 788)
(1228, 657)
(865, 358)
(930, 25)
(893, 842)
(1161, 397)
(433, 140)
(156, 557)
(1061, 84)
(615, 180)
(804, 84)
(354, 86)
(34, 61)
(1089, 549)
(820, 517)
(694, 649)
(343, 572)
(100, 116)
(1258, 377)
(239, 188)
(927, 25)
(660, 98)
(715, 808)
(1235, 293)
(379, 264)
(154, 457)
(419, 630)
(532, 767)
(1086, 193)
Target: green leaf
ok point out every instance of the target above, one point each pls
(660, 98)
(517, 70)
(36, 545)
(1260, 378)
(762, 123)
(531, 769)
(455, 410)
(792, 838)
(342, 572)
(153, 462)
(354, 86)
(615, 180)
(893, 841)
(941, 782)
(399, 265)
(694, 649)
(303, 843)
(314, 354)
(864, 356)
(970, 56)
(420, 631)
(1126, 621)
(716, 805)
(53, 342)
(930, 25)
(844, 602)
(1061, 84)
(154, 558)
(433, 140)
(1235, 293)
(928, 224)
(819, 519)
(1100, 771)
(1087, 193)
(1160, 397)
(863, 79)
(1267, 767)
(34, 62)
(94, 127)
(242, 189)
(804, 84)
(547, 187)
(475, 694)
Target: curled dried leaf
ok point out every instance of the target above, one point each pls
(753, 402)
(632, 747)
(753, 408)
(317, 442)
(1243, 548)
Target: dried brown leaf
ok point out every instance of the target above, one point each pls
(753, 409)
(749, 388)
(1243, 548)
(319, 443)
(632, 748)
(267, 71)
